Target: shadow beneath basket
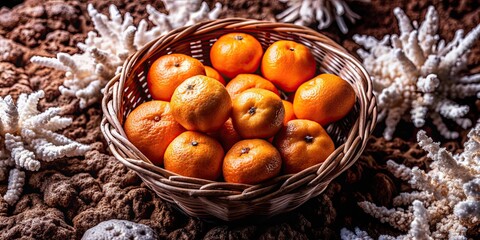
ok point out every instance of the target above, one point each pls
(251, 220)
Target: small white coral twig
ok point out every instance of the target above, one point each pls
(306, 12)
(28, 137)
(16, 180)
(447, 199)
(115, 39)
(398, 218)
(416, 73)
(419, 228)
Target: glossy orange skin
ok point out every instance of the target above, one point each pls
(201, 103)
(324, 99)
(302, 144)
(151, 127)
(211, 72)
(257, 113)
(251, 161)
(243, 82)
(194, 154)
(236, 53)
(288, 64)
(227, 135)
(289, 115)
(168, 71)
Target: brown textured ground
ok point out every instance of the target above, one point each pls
(67, 197)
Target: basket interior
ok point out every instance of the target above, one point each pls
(198, 46)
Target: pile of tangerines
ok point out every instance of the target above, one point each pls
(200, 125)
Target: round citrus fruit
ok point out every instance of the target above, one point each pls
(288, 64)
(151, 127)
(302, 144)
(324, 99)
(257, 113)
(227, 135)
(246, 81)
(289, 115)
(195, 154)
(211, 72)
(168, 71)
(236, 53)
(251, 161)
(201, 103)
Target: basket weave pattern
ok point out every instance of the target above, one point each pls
(230, 201)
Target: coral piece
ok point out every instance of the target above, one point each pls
(346, 234)
(398, 218)
(115, 39)
(420, 74)
(306, 12)
(419, 227)
(16, 180)
(28, 136)
(448, 196)
(119, 230)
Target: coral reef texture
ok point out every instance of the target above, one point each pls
(66, 197)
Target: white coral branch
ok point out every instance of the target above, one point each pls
(16, 180)
(29, 137)
(423, 70)
(22, 156)
(397, 218)
(404, 199)
(114, 40)
(306, 12)
(419, 228)
(448, 200)
(399, 170)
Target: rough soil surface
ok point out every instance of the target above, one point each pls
(67, 197)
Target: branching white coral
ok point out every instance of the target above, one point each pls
(398, 218)
(418, 74)
(419, 228)
(447, 199)
(115, 39)
(28, 136)
(306, 12)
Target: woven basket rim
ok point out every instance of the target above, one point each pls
(179, 186)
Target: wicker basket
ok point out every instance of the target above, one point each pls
(229, 201)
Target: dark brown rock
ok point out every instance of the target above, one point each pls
(13, 80)
(35, 220)
(227, 232)
(281, 231)
(8, 19)
(11, 52)
(31, 33)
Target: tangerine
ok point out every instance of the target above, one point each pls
(194, 154)
(289, 115)
(227, 135)
(251, 161)
(201, 103)
(168, 71)
(324, 99)
(211, 72)
(151, 127)
(302, 144)
(257, 113)
(288, 64)
(246, 81)
(236, 53)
